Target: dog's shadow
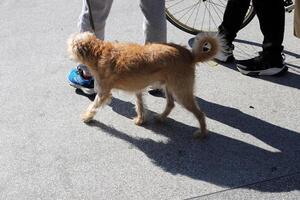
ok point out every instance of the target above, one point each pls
(219, 160)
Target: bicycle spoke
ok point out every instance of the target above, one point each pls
(220, 5)
(187, 9)
(175, 4)
(191, 14)
(216, 9)
(223, 4)
(199, 15)
(196, 15)
(203, 17)
(211, 17)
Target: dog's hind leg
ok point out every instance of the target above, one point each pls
(186, 98)
(170, 105)
(99, 100)
(202, 133)
(140, 118)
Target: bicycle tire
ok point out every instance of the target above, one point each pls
(178, 22)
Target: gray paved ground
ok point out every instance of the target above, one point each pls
(46, 152)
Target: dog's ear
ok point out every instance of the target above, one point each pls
(80, 46)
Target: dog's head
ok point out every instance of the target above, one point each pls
(81, 47)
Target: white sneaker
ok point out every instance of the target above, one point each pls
(226, 54)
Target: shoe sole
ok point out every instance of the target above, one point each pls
(83, 89)
(267, 72)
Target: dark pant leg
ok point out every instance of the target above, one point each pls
(271, 16)
(233, 18)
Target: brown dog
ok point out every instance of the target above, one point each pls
(133, 67)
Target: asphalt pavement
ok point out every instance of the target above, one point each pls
(47, 152)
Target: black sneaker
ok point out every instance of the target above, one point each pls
(261, 65)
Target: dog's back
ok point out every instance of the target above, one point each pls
(150, 57)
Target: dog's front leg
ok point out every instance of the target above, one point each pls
(140, 118)
(92, 109)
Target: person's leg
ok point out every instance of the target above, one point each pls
(100, 11)
(155, 28)
(271, 16)
(233, 18)
(154, 25)
(80, 77)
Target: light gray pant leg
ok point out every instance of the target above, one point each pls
(100, 11)
(155, 25)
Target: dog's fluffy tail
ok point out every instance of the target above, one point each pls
(206, 46)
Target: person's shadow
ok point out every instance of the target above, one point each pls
(219, 160)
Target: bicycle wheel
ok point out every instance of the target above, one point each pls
(194, 16)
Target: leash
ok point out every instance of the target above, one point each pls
(90, 15)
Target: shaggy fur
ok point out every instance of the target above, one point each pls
(133, 67)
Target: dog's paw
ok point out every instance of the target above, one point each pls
(138, 120)
(87, 117)
(200, 135)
